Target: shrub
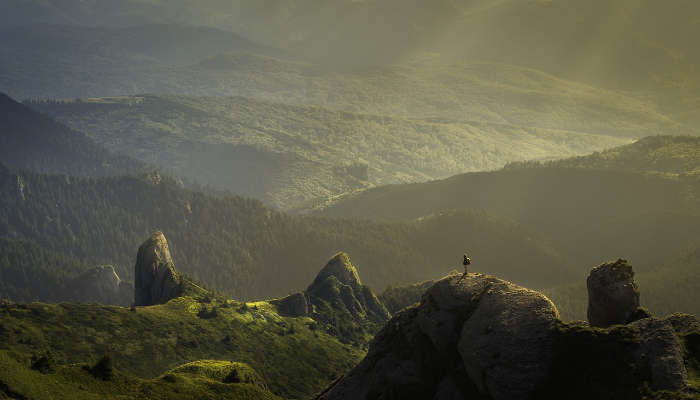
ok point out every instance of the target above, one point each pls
(103, 369)
(43, 363)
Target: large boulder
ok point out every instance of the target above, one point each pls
(662, 353)
(506, 343)
(478, 337)
(485, 338)
(613, 296)
(156, 280)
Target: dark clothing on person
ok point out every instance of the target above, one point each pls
(465, 262)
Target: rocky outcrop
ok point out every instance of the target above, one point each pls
(478, 336)
(613, 296)
(294, 305)
(338, 299)
(101, 285)
(485, 338)
(660, 350)
(156, 280)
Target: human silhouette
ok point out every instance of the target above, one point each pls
(465, 263)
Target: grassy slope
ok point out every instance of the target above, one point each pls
(293, 357)
(75, 382)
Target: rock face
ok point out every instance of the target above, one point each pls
(485, 338)
(294, 305)
(156, 279)
(661, 351)
(613, 297)
(338, 298)
(478, 337)
(101, 285)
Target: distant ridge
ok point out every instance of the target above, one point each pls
(32, 141)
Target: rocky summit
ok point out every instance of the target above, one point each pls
(156, 280)
(613, 296)
(338, 299)
(481, 337)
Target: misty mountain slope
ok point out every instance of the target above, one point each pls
(629, 43)
(589, 213)
(467, 91)
(664, 155)
(47, 60)
(244, 249)
(30, 140)
(290, 155)
(643, 47)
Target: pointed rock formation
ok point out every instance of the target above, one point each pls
(613, 296)
(338, 298)
(156, 280)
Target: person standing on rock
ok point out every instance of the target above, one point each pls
(466, 263)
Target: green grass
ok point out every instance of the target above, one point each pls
(75, 382)
(294, 360)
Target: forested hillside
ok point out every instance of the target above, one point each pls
(239, 246)
(33, 141)
(669, 288)
(289, 155)
(659, 155)
(639, 201)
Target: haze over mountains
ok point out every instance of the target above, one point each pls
(291, 155)
(267, 139)
(556, 219)
(308, 102)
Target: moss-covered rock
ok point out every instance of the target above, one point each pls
(339, 300)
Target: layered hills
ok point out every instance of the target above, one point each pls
(635, 43)
(233, 244)
(292, 155)
(554, 217)
(602, 205)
